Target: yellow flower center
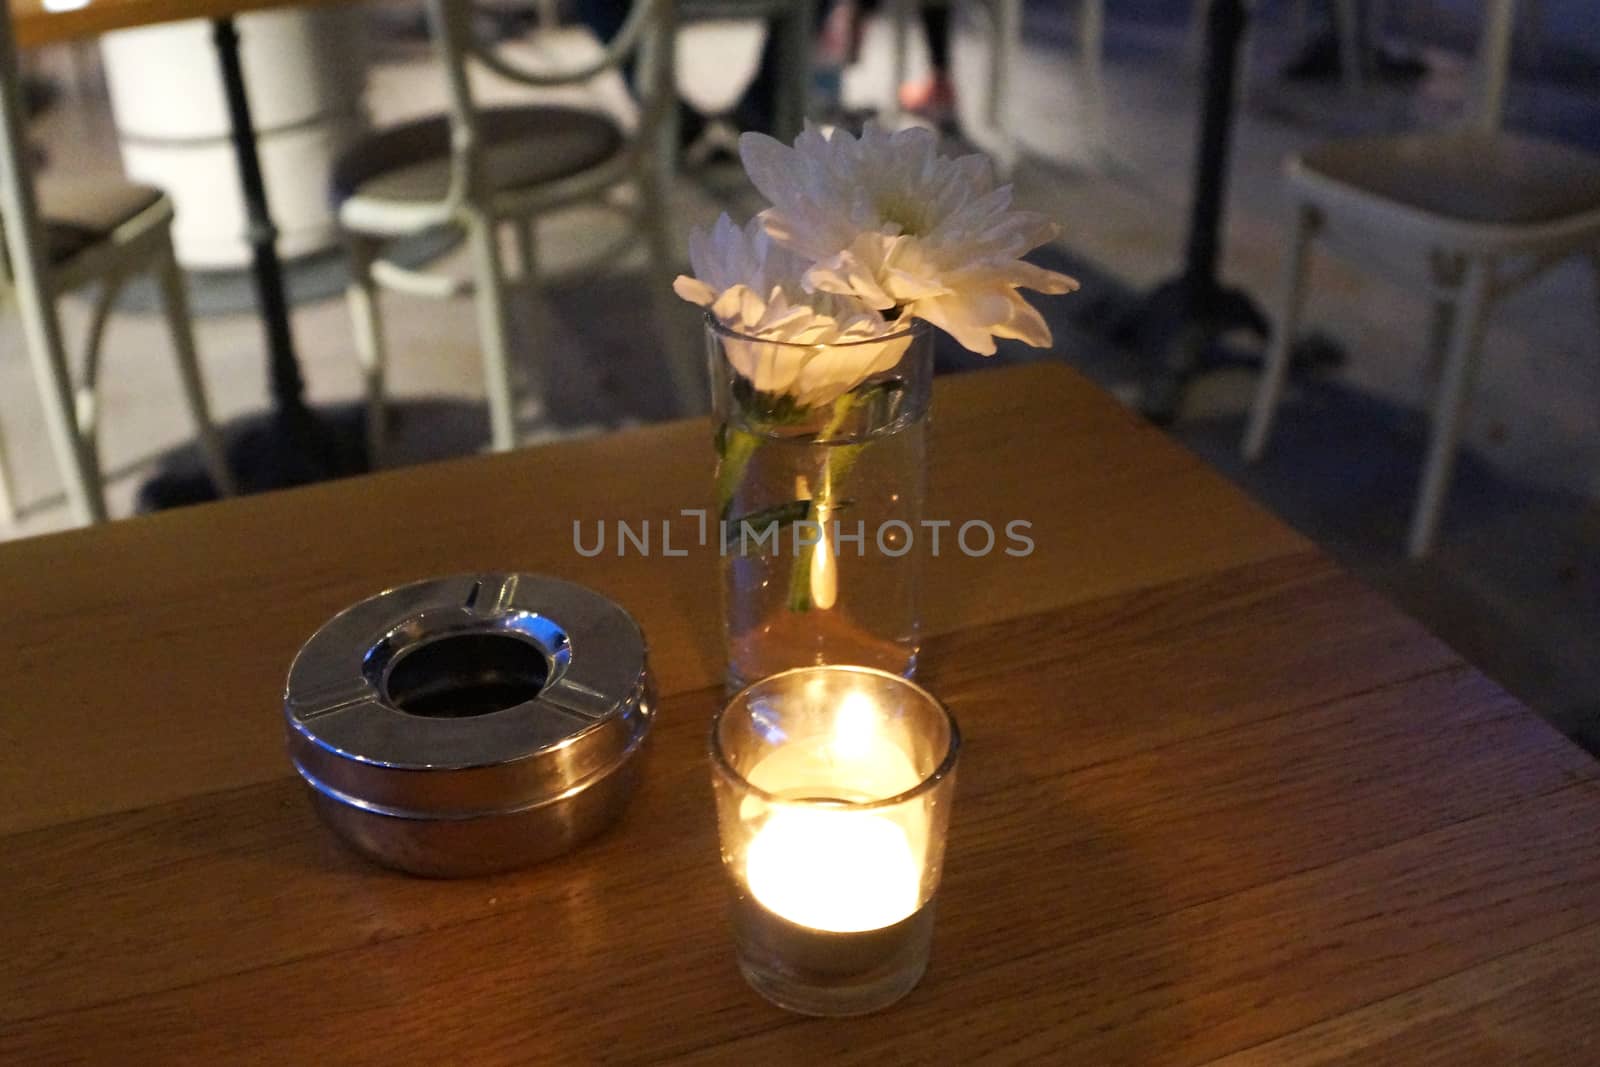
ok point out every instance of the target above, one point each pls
(910, 216)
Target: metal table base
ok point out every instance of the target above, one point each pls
(293, 444)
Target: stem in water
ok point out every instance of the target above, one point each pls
(814, 578)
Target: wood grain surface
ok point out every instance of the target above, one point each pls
(1218, 802)
(37, 23)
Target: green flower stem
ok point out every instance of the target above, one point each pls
(737, 447)
(836, 463)
(781, 514)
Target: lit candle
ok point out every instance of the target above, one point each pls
(833, 868)
(833, 833)
(838, 871)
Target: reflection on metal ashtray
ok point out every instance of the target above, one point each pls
(467, 725)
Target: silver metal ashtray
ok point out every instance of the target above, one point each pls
(473, 724)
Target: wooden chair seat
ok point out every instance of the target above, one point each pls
(524, 146)
(1482, 211)
(1489, 178)
(81, 212)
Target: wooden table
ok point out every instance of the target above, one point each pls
(38, 23)
(1219, 802)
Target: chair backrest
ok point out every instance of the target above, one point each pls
(1493, 65)
(646, 37)
(18, 210)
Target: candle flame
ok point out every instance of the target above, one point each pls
(855, 726)
(833, 870)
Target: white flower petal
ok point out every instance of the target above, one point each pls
(694, 290)
(956, 318)
(1025, 324)
(1028, 276)
(834, 370)
(864, 234)
(767, 161)
(885, 220)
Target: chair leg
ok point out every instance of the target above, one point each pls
(1007, 30)
(1194, 41)
(489, 275)
(1461, 365)
(1448, 270)
(35, 299)
(1275, 372)
(684, 364)
(175, 305)
(1440, 327)
(535, 312)
(1352, 46)
(525, 238)
(86, 395)
(1594, 264)
(80, 466)
(8, 500)
(362, 295)
(1091, 64)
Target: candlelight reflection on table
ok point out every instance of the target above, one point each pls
(833, 793)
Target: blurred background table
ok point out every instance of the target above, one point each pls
(1219, 801)
(293, 444)
(1179, 320)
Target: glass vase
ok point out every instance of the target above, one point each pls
(821, 474)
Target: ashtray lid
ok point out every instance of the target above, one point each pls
(465, 695)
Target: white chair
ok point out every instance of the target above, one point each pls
(70, 234)
(477, 168)
(1489, 210)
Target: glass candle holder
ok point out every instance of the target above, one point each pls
(833, 789)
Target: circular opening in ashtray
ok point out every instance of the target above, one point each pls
(467, 674)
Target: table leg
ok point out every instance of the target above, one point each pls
(292, 445)
(1178, 322)
(288, 390)
(1224, 31)
(795, 30)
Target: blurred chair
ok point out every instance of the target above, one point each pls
(71, 234)
(792, 24)
(1488, 210)
(477, 168)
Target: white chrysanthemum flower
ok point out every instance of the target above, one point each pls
(821, 345)
(888, 221)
